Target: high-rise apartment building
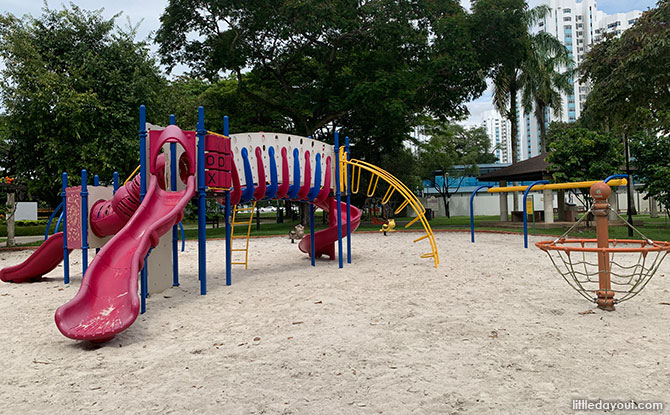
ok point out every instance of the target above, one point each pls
(578, 25)
(499, 131)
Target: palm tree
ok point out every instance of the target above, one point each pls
(508, 78)
(543, 83)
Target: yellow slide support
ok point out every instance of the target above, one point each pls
(395, 186)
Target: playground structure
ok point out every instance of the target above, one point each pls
(128, 226)
(623, 267)
(626, 277)
(540, 185)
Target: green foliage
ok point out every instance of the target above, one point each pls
(578, 154)
(71, 87)
(630, 76)
(652, 159)
(220, 97)
(309, 66)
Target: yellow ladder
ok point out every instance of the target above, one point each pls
(235, 223)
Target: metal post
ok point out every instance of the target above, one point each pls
(175, 227)
(115, 181)
(629, 187)
(202, 207)
(226, 213)
(312, 245)
(84, 223)
(143, 191)
(96, 183)
(347, 184)
(525, 218)
(472, 212)
(600, 192)
(66, 252)
(338, 197)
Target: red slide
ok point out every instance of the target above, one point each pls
(107, 302)
(324, 240)
(40, 262)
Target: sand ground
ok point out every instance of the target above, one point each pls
(493, 330)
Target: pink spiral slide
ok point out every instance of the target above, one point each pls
(324, 240)
(107, 302)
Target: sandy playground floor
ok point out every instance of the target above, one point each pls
(493, 330)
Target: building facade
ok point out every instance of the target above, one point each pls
(498, 129)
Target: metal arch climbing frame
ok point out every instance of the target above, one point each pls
(395, 185)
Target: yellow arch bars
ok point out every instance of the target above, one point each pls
(395, 185)
(557, 186)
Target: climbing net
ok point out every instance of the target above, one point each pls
(631, 263)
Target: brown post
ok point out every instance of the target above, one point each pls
(11, 205)
(600, 192)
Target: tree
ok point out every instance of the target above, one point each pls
(629, 76)
(450, 145)
(579, 154)
(372, 67)
(506, 24)
(542, 83)
(651, 158)
(71, 87)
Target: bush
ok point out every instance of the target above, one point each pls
(41, 222)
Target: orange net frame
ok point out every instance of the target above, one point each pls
(631, 264)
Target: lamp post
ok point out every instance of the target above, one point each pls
(629, 186)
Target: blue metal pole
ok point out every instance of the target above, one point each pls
(143, 191)
(472, 212)
(226, 213)
(348, 156)
(312, 245)
(615, 176)
(338, 196)
(115, 181)
(96, 183)
(175, 230)
(66, 252)
(202, 212)
(51, 218)
(525, 219)
(84, 223)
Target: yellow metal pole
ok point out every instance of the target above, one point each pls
(557, 186)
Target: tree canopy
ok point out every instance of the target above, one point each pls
(579, 154)
(652, 159)
(71, 87)
(630, 77)
(372, 67)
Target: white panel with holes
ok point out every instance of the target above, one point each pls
(264, 141)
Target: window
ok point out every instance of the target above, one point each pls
(567, 19)
(580, 25)
(580, 33)
(566, 10)
(579, 18)
(567, 27)
(541, 24)
(632, 21)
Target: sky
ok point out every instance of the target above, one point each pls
(147, 14)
